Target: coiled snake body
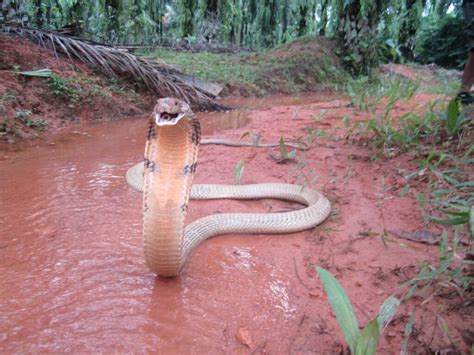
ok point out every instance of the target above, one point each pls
(165, 177)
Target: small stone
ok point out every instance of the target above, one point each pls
(244, 337)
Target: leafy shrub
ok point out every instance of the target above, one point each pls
(62, 88)
(35, 122)
(444, 43)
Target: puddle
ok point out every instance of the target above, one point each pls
(73, 273)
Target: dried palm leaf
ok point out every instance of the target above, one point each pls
(159, 78)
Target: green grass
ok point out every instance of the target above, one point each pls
(283, 70)
(438, 141)
(218, 67)
(364, 341)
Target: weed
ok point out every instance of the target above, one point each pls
(239, 170)
(359, 342)
(62, 88)
(254, 138)
(40, 73)
(116, 86)
(449, 274)
(285, 156)
(367, 92)
(260, 73)
(8, 96)
(35, 122)
(413, 130)
(455, 117)
(8, 128)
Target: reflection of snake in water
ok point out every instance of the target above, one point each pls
(166, 182)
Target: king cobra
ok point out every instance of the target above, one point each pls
(165, 177)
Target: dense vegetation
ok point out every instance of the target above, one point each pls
(369, 30)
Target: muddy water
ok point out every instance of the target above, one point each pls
(73, 276)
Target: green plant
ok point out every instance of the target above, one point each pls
(443, 42)
(239, 170)
(285, 156)
(8, 128)
(447, 274)
(254, 138)
(36, 122)
(367, 92)
(40, 73)
(359, 342)
(61, 88)
(455, 117)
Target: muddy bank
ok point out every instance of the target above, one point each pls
(31, 107)
(74, 278)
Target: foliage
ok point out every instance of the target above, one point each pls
(455, 117)
(449, 273)
(239, 171)
(35, 122)
(157, 77)
(359, 342)
(61, 88)
(438, 124)
(40, 73)
(357, 32)
(367, 92)
(365, 27)
(290, 68)
(444, 43)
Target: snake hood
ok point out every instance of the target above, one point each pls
(169, 111)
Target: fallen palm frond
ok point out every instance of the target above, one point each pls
(160, 78)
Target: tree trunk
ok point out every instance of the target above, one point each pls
(323, 22)
(303, 12)
(39, 14)
(408, 26)
(358, 33)
(188, 8)
(112, 10)
(284, 18)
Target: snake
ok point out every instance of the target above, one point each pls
(165, 178)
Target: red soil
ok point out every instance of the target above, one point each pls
(365, 190)
(355, 244)
(96, 98)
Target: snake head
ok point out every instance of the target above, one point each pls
(169, 111)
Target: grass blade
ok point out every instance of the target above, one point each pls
(283, 151)
(368, 339)
(407, 333)
(452, 117)
(239, 170)
(387, 311)
(342, 307)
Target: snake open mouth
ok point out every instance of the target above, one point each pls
(168, 119)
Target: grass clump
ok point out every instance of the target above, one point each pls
(231, 69)
(303, 65)
(437, 139)
(63, 88)
(365, 341)
(32, 121)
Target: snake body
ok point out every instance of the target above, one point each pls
(165, 177)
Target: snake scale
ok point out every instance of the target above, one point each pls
(165, 177)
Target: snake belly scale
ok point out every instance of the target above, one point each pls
(165, 177)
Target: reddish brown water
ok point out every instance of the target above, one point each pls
(73, 273)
